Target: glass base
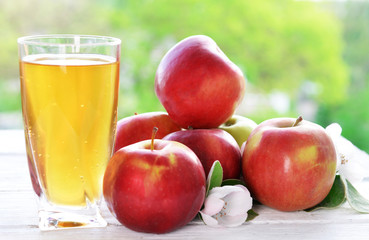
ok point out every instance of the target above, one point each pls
(54, 220)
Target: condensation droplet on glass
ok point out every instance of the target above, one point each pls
(30, 131)
(82, 105)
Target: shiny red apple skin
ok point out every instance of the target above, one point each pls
(211, 145)
(197, 84)
(289, 168)
(139, 127)
(155, 191)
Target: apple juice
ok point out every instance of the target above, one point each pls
(69, 110)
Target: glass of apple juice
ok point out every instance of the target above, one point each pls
(69, 90)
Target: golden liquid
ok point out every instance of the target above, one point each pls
(69, 110)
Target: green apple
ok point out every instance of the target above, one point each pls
(239, 127)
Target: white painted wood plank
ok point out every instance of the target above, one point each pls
(342, 231)
(14, 173)
(18, 215)
(12, 141)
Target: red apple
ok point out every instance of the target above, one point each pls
(211, 145)
(139, 127)
(154, 190)
(197, 84)
(289, 165)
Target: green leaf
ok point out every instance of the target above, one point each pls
(355, 199)
(251, 214)
(232, 182)
(335, 197)
(215, 176)
(198, 216)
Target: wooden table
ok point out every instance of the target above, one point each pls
(18, 213)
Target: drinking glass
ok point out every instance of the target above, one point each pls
(69, 89)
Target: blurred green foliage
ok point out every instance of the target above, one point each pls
(279, 45)
(9, 97)
(353, 114)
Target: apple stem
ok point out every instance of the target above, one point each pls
(154, 131)
(298, 120)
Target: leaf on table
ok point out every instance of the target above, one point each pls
(215, 176)
(335, 198)
(232, 182)
(251, 214)
(355, 199)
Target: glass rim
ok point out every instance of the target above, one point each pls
(34, 40)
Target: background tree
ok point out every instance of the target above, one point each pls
(280, 45)
(274, 43)
(23, 17)
(353, 114)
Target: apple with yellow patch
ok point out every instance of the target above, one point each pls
(154, 187)
(289, 164)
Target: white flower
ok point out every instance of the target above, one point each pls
(226, 206)
(352, 163)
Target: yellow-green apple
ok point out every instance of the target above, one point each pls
(289, 164)
(154, 187)
(197, 83)
(211, 145)
(239, 127)
(138, 127)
